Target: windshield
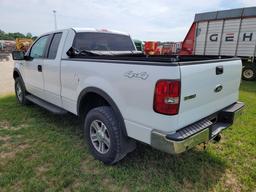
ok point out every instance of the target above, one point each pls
(95, 41)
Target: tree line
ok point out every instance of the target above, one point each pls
(13, 36)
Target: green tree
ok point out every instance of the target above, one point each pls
(13, 36)
(29, 35)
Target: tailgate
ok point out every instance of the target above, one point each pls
(207, 87)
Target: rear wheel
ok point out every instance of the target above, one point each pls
(20, 91)
(99, 136)
(249, 72)
(104, 136)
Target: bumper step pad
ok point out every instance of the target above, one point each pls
(189, 130)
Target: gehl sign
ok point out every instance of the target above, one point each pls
(229, 37)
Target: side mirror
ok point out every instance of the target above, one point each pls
(18, 55)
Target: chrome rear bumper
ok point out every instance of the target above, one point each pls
(199, 132)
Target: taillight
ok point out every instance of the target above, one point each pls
(167, 97)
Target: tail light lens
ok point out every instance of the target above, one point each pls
(167, 97)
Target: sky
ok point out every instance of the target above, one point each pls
(161, 20)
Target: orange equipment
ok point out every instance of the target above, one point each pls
(22, 44)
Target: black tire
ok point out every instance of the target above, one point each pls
(118, 147)
(20, 92)
(249, 72)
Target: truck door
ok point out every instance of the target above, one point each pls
(51, 70)
(33, 67)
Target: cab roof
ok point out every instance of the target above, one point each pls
(98, 30)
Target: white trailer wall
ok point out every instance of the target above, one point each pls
(247, 47)
(220, 37)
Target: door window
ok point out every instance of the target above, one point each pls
(37, 51)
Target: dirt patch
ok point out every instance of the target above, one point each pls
(18, 127)
(231, 182)
(108, 183)
(42, 169)
(9, 155)
(74, 186)
(187, 185)
(22, 146)
(5, 125)
(16, 186)
(88, 167)
(5, 138)
(13, 150)
(6, 80)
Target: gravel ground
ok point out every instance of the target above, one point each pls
(6, 81)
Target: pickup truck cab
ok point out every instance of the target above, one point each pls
(172, 104)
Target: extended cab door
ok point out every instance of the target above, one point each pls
(33, 67)
(51, 70)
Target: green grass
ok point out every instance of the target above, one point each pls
(43, 152)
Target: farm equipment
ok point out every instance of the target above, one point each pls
(171, 48)
(7, 46)
(166, 49)
(228, 33)
(138, 44)
(162, 48)
(150, 47)
(22, 44)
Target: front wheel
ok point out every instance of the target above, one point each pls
(20, 91)
(249, 72)
(104, 136)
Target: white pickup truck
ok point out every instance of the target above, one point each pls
(172, 104)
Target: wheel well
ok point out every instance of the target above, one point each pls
(92, 97)
(246, 62)
(15, 74)
(90, 101)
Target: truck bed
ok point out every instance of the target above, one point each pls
(155, 59)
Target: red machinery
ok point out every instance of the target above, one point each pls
(188, 43)
(162, 48)
(150, 47)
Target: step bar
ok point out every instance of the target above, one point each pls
(46, 105)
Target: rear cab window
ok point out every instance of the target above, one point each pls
(96, 41)
(54, 45)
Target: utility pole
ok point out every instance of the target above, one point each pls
(55, 19)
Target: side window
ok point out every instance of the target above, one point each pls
(54, 46)
(37, 51)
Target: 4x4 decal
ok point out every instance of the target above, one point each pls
(140, 75)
